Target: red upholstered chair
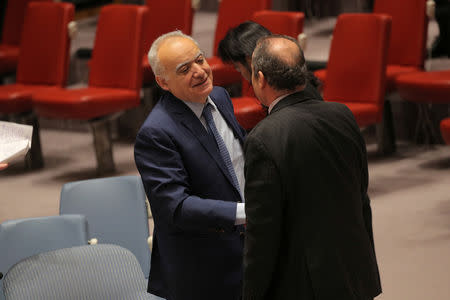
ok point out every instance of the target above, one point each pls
(12, 31)
(42, 64)
(247, 108)
(164, 16)
(231, 13)
(407, 46)
(425, 88)
(115, 79)
(356, 72)
(445, 130)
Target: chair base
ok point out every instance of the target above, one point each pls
(101, 131)
(386, 132)
(425, 131)
(34, 159)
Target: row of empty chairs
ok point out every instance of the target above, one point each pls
(114, 80)
(407, 42)
(112, 210)
(383, 53)
(42, 63)
(404, 73)
(114, 84)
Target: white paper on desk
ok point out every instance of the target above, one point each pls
(15, 140)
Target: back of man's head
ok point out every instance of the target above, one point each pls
(280, 58)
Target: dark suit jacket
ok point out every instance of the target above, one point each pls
(309, 228)
(197, 249)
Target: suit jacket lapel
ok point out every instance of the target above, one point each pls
(188, 119)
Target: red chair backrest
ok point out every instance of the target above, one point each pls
(409, 30)
(278, 22)
(233, 12)
(44, 49)
(166, 16)
(119, 46)
(14, 19)
(356, 69)
(281, 22)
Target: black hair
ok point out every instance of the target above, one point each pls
(240, 41)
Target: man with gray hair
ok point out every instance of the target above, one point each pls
(309, 225)
(189, 154)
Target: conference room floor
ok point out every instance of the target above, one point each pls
(410, 190)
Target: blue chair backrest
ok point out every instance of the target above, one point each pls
(115, 210)
(23, 238)
(85, 272)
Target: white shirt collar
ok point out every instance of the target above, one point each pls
(197, 108)
(277, 100)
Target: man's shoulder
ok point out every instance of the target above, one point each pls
(218, 91)
(158, 118)
(219, 95)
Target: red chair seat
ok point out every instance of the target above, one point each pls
(9, 55)
(83, 104)
(425, 87)
(16, 98)
(223, 74)
(392, 71)
(365, 113)
(445, 130)
(248, 111)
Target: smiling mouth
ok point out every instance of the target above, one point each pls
(201, 83)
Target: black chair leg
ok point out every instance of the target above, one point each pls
(425, 131)
(34, 158)
(386, 132)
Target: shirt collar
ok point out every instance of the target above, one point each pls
(197, 108)
(274, 102)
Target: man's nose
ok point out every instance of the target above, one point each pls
(197, 70)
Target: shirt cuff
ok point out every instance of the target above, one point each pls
(240, 214)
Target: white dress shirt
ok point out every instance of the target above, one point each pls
(233, 146)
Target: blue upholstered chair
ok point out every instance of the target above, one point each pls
(23, 238)
(116, 212)
(85, 272)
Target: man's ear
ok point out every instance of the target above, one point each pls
(261, 80)
(162, 83)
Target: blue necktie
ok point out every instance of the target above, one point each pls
(220, 143)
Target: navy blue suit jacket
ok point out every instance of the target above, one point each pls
(197, 249)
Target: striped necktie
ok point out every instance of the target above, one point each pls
(220, 143)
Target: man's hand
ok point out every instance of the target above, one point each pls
(3, 166)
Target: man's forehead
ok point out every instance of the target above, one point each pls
(178, 50)
(189, 59)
